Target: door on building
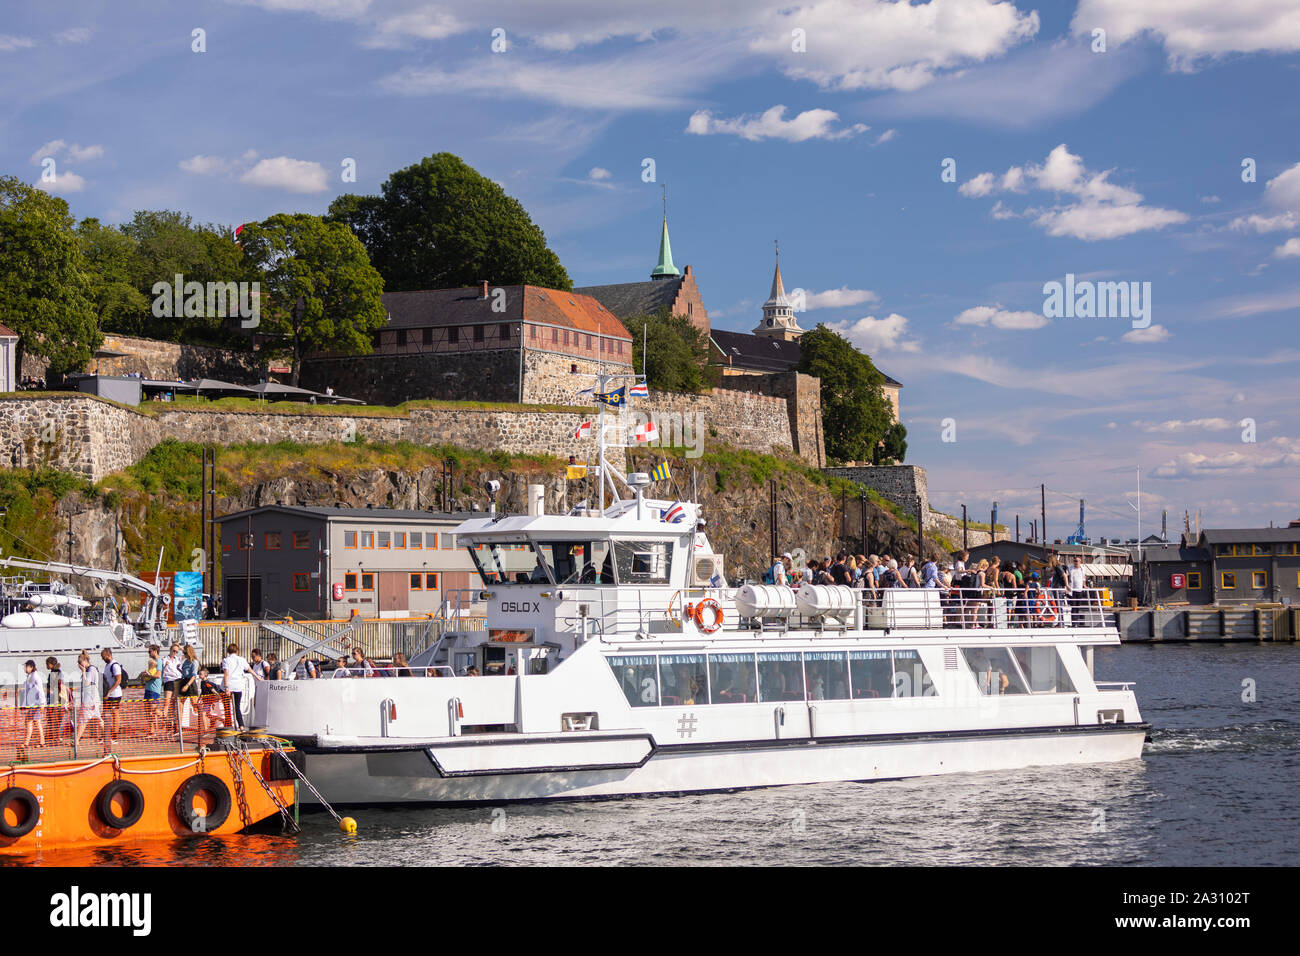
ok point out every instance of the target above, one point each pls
(394, 593)
(236, 596)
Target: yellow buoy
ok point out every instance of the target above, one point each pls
(348, 825)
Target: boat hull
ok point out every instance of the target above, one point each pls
(450, 771)
(67, 793)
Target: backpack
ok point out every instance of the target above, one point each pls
(964, 581)
(767, 577)
(110, 673)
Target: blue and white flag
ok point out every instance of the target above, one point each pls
(675, 514)
(614, 399)
(638, 390)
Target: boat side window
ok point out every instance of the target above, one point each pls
(911, 679)
(1044, 669)
(682, 679)
(871, 673)
(780, 676)
(828, 674)
(508, 563)
(995, 672)
(643, 562)
(638, 676)
(731, 679)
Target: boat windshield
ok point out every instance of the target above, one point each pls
(508, 563)
(579, 562)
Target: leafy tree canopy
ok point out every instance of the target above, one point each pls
(110, 261)
(440, 224)
(44, 290)
(319, 291)
(678, 352)
(856, 416)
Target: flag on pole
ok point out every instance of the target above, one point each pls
(646, 433)
(675, 514)
(587, 391)
(614, 399)
(584, 430)
(660, 472)
(639, 390)
(573, 472)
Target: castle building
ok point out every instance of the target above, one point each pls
(772, 348)
(519, 343)
(668, 287)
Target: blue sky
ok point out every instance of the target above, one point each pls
(1122, 164)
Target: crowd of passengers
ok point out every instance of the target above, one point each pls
(968, 592)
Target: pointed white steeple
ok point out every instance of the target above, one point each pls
(778, 315)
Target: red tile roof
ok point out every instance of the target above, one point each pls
(5, 330)
(443, 307)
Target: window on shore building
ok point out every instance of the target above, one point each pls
(503, 331)
(478, 333)
(272, 541)
(401, 336)
(426, 336)
(302, 582)
(301, 540)
(453, 335)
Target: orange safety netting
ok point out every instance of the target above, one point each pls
(129, 727)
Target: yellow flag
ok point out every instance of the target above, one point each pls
(575, 471)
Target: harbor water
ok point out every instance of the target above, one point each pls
(1217, 786)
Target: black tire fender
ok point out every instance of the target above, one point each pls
(190, 789)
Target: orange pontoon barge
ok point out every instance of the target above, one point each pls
(149, 779)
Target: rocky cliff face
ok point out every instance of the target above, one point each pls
(126, 527)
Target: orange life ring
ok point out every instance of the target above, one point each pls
(698, 614)
(1046, 609)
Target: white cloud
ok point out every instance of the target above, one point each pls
(981, 185)
(394, 31)
(986, 315)
(292, 175)
(73, 35)
(1288, 249)
(1237, 307)
(64, 182)
(1152, 333)
(1000, 211)
(1101, 210)
(205, 165)
(838, 298)
(1261, 224)
(1210, 199)
(772, 124)
(885, 137)
(1280, 452)
(61, 148)
(10, 43)
(598, 172)
(1196, 30)
(1283, 190)
(876, 44)
(876, 335)
(1177, 425)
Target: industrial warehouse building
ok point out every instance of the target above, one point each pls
(332, 563)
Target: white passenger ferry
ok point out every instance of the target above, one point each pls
(616, 661)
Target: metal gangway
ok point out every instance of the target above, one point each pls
(335, 645)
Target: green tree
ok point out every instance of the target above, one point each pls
(856, 416)
(319, 291)
(44, 290)
(168, 244)
(678, 352)
(110, 260)
(440, 224)
(894, 444)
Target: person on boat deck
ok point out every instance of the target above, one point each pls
(33, 704)
(237, 672)
(839, 571)
(777, 571)
(929, 574)
(362, 663)
(90, 703)
(342, 669)
(256, 663)
(472, 671)
(274, 669)
(113, 686)
(153, 683)
(306, 669)
(212, 705)
(58, 696)
(171, 675)
(1076, 583)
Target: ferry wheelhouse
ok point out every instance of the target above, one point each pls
(616, 660)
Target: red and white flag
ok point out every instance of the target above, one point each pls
(583, 431)
(646, 433)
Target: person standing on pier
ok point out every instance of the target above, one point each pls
(113, 686)
(1076, 583)
(236, 671)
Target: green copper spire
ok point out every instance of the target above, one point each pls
(665, 269)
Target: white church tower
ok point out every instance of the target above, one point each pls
(778, 315)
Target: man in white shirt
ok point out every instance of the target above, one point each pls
(237, 672)
(779, 569)
(1076, 584)
(171, 677)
